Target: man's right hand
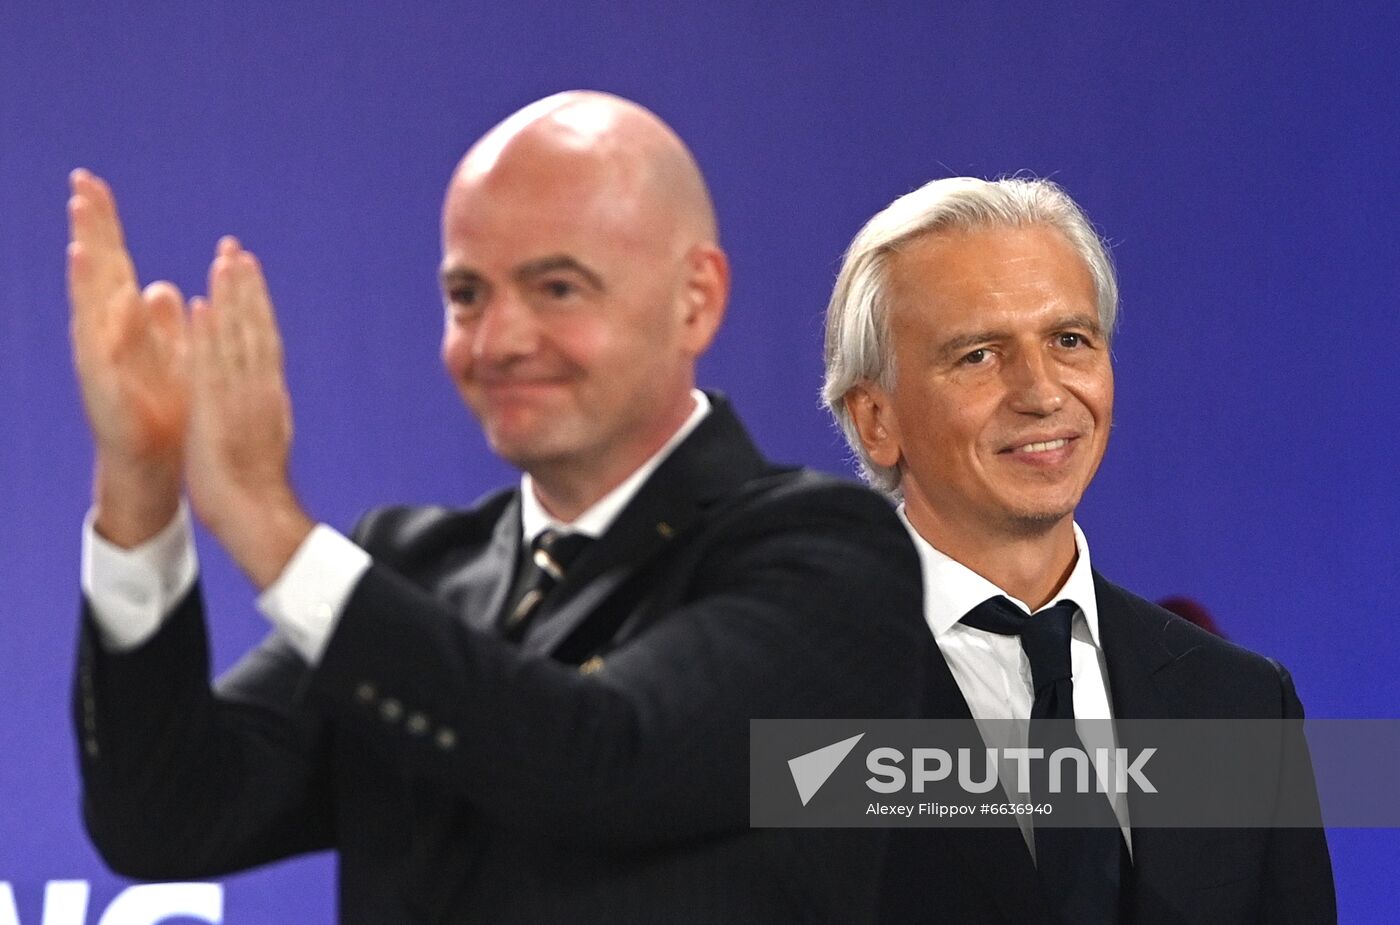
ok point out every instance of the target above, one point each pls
(130, 349)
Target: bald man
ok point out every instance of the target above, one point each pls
(533, 710)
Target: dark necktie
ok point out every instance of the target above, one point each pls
(1084, 870)
(551, 553)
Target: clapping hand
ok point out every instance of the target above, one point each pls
(240, 430)
(169, 395)
(130, 349)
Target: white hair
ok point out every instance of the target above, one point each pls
(857, 317)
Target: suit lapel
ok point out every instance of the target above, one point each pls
(1134, 651)
(997, 857)
(943, 699)
(1145, 656)
(713, 462)
(480, 586)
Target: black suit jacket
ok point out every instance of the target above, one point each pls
(598, 772)
(1160, 667)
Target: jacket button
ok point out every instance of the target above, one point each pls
(416, 724)
(390, 710)
(366, 693)
(445, 739)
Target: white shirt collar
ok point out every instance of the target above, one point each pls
(951, 589)
(596, 520)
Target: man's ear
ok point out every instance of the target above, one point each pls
(871, 409)
(704, 295)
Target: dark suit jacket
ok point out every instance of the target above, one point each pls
(598, 772)
(1159, 667)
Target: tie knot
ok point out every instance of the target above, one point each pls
(551, 553)
(554, 551)
(1044, 635)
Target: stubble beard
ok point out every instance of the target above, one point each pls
(1029, 525)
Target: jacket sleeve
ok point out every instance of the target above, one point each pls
(1298, 885)
(179, 781)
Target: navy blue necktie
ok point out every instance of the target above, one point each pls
(539, 572)
(1083, 870)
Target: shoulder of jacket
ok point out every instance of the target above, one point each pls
(412, 525)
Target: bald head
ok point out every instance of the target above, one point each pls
(607, 149)
(582, 282)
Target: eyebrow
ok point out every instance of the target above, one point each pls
(1088, 323)
(964, 341)
(456, 276)
(532, 269)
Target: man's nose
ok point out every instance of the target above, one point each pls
(506, 331)
(1035, 385)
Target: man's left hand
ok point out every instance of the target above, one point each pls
(240, 428)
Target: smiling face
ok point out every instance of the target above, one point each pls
(576, 306)
(1003, 394)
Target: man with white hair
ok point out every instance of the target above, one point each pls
(967, 362)
(532, 710)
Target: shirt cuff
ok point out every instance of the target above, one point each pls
(306, 600)
(132, 591)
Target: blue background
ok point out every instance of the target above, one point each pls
(1242, 162)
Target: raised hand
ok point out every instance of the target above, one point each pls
(130, 350)
(241, 419)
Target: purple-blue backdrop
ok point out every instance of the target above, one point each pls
(1241, 161)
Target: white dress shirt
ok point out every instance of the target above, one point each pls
(992, 670)
(133, 591)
